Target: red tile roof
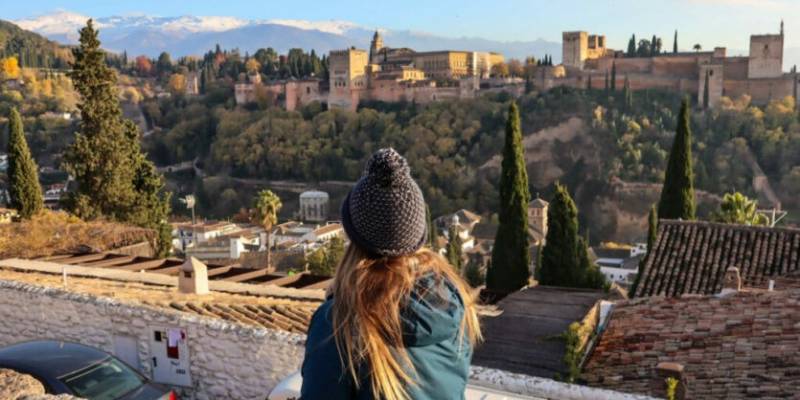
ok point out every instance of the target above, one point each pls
(692, 256)
(746, 345)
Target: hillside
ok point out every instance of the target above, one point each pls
(32, 49)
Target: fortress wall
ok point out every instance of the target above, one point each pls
(683, 66)
(760, 90)
(388, 91)
(645, 81)
(736, 68)
(625, 65)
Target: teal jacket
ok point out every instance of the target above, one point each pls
(431, 320)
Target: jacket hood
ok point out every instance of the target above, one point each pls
(433, 312)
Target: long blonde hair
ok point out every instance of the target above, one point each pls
(368, 296)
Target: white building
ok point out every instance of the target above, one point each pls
(297, 236)
(314, 206)
(619, 264)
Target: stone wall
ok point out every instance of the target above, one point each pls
(227, 361)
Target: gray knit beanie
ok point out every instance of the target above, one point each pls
(384, 213)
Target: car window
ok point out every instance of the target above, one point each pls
(106, 380)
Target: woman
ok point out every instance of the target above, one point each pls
(399, 322)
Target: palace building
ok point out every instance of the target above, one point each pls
(403, 74)
(588, 62)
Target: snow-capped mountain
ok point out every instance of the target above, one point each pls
(194, 35)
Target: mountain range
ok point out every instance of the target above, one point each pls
(194, 35)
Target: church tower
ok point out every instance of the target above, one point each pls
(375, 47)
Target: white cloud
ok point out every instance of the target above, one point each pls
(333, 26)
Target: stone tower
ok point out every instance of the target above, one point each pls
(766, 56)
(537, 219)
(375, 47)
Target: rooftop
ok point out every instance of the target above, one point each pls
(692, 257)
(253, 297)
(744, 345)
(524, 337)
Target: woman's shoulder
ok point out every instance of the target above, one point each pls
(322, 319)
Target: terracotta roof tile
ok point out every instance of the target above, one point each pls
(692, 256)
(741, 346)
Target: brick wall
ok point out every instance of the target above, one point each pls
(736, 347)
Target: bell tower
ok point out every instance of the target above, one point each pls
(375, 47)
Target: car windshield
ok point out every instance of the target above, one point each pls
(106, 380)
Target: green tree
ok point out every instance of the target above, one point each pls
(589, 83)
(565, 256)
(677, 194)
(265, 213)
(705, 92)
(23, 174)
(628, 95)
(528, 84)
(675, 43)
(654, 50)
(431, 227)
(632, 46)
(591, 276)
(652, 228)
(454, 253)
(560, 256)
(324, 260)
(737, 208)
(511, 261)
(164, 64)
(114, 178)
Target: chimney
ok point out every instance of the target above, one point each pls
(732, 282)
(667, 371)
(193, 277)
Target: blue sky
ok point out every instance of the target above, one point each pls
(708, 22)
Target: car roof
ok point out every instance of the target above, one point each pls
(49, 359)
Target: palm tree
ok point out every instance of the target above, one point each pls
(737, 208)
(265, 213)
(697, 47)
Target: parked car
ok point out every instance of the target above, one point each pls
(82, 371)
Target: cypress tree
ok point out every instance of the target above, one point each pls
(114, 178)
(705, 92)
(614, 76)
(652, 227)
(589, 83)
(23, 176)
(429, 222)
(560, 253)
(653, 49)
(677, 195)
(565, 256)
(454, 244)
(628, 95)
(509, 270)
(528, 84)
(675, 43)
(632, 46)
